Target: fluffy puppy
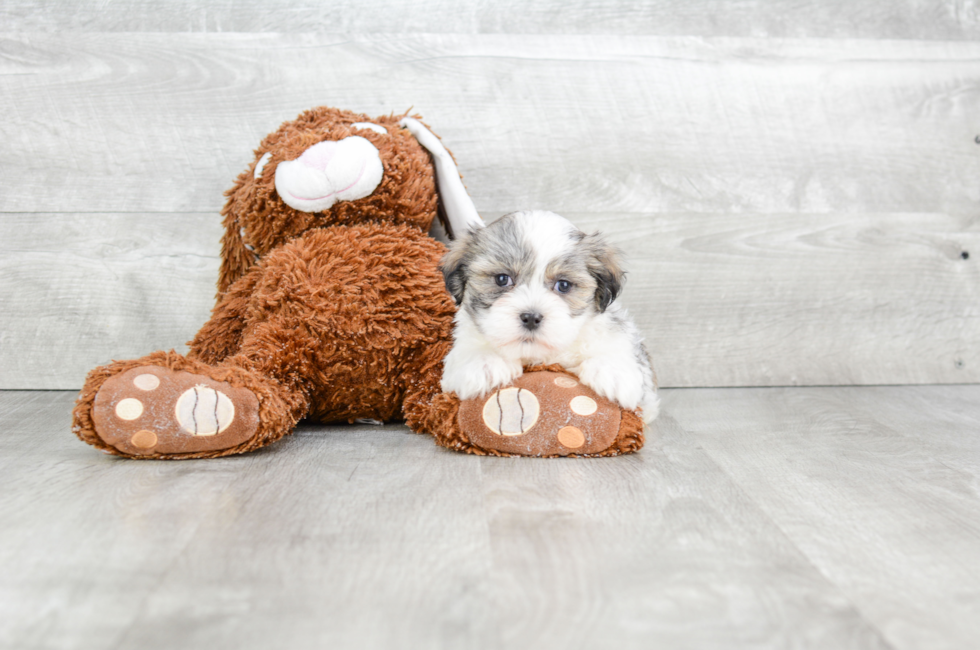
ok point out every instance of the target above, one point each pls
(532, 288)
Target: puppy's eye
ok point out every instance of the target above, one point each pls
(503, 280)
(563, 286)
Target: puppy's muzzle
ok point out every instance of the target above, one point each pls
(531, 320)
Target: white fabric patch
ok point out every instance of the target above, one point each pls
(460, 211)
(146, 382)
(511, 411)
(204, 411)
(343, 170)
(129, 409)
(583, 405)
(377, 128)
(259, 166)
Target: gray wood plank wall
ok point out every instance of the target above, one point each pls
(795, 182)
(875, 19)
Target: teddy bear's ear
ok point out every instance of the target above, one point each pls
(605, 267)
(236, 258)
(456, 209)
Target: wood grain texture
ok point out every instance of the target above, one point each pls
(868, 495)
(943, 417)
(82, 289)
(164, 122)
(722, 299)
(802, 299)
(939, 19)
(360, 540)
(754, 518)
(797, 211)
(657, 550)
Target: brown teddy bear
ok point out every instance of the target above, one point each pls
(331, 307)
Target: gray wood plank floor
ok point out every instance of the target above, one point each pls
(754, 518)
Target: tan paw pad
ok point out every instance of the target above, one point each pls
(544, 413)
(583, 405)
(571, 437)
(204, 411)
(155, 411)
(129, 409)
(146, 382)
(143, 439)
(511, 411)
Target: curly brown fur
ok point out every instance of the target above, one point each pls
(221, 336)
(407, 194)
(339, 324)
(334, 315)
(354, 316)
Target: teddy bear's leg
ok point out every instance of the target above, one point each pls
(546, 412)
(422, 391)
(221, 336)
(165, 405)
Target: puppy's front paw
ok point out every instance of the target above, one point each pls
(620, 383)
(478, 375)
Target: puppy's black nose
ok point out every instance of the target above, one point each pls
(531, 320)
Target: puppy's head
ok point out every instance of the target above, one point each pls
(530, 280)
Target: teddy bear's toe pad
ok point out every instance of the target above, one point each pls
(543, 413)
(152, 410)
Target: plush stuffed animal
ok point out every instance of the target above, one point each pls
(331, 307)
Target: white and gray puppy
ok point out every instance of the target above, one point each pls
(532, 288)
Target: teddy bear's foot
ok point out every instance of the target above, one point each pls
(544, 413)
(153, 411)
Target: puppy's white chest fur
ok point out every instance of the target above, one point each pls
(532, 288)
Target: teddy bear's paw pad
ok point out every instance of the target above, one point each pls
(511, 411)
(542, 413)
(152, 410)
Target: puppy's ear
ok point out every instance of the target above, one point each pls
(453, 267)
(605, 267)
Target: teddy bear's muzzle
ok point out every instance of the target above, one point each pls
(342, 170)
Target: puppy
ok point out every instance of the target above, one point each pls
(532, 288)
